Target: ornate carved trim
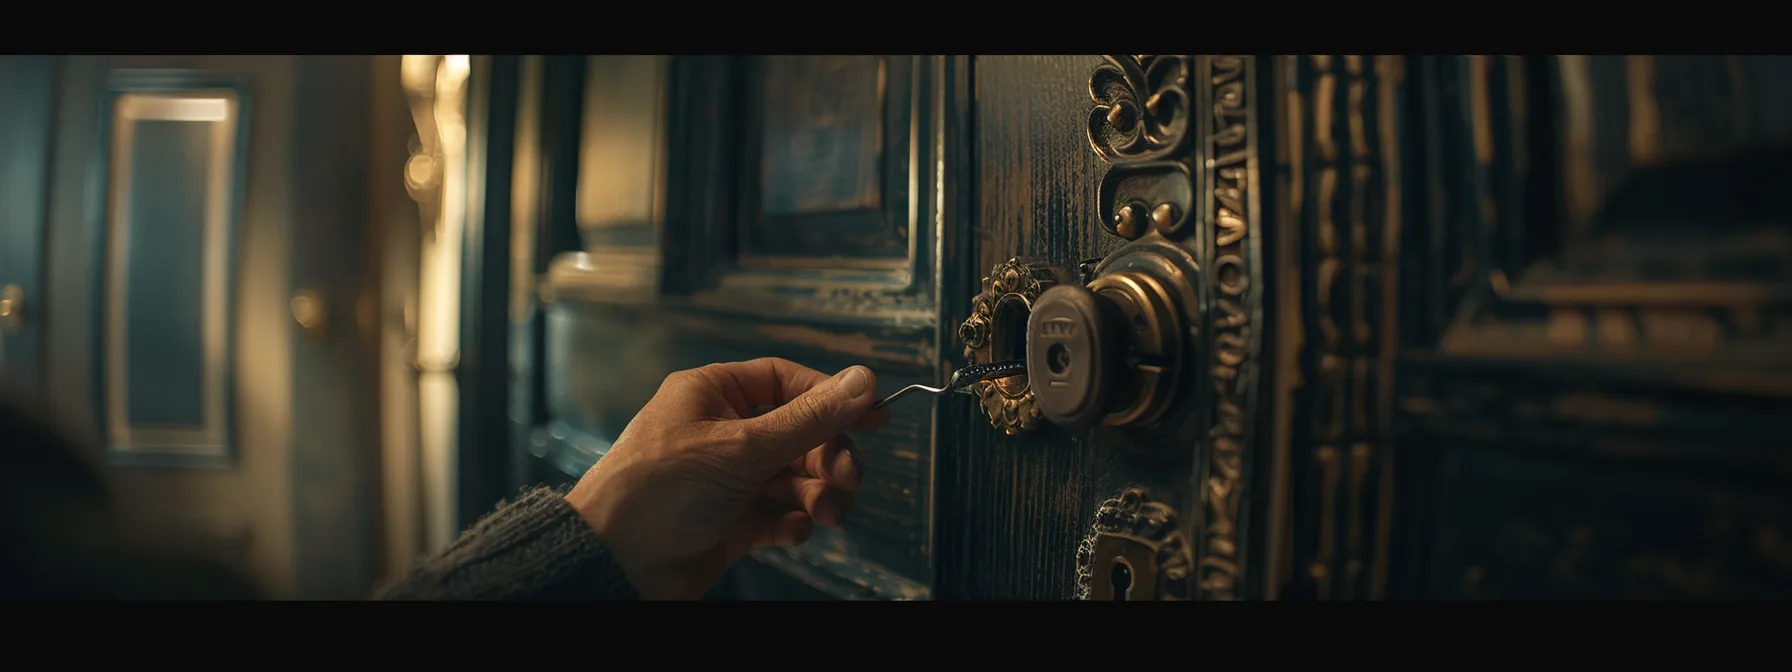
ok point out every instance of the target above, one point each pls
(1351, 225)
(1008, 293)
(1233, 210)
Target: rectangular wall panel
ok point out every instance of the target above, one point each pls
(173, 176)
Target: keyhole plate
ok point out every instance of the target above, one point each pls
(1120, 579)
(1136, 552)
(1137, 558)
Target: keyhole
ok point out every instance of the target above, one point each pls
(1121, 578)
(1057, 358)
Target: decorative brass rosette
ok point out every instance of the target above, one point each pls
(996, 331)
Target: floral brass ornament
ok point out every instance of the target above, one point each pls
(1141, 123)
(998, 314)
(1136, 551)
(1122, 126)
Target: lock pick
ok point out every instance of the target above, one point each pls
(963, 380)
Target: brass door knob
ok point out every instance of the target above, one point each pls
(12, 308)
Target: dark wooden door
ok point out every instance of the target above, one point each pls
(204, 295)
(1466, 327)
(1369, 326)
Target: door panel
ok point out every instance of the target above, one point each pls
(27, 83)
(174, 162)
(208, 321)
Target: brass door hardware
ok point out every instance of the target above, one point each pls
(1114, 351)
(12, 309)
(1111, 347)
(1135, 552)
(996, 332)
(308, 311)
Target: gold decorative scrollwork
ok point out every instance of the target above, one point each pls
(1123, 128)
(997, 324)
(1145, 536)
(1231, 179)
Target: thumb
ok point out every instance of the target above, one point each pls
(817, 415)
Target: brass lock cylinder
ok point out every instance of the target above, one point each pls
(1112, 352)
(1073, 354)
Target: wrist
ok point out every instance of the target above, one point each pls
(597, 506)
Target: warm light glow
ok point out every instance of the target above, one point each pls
(435, 174)
(457, 67)
(173, 108)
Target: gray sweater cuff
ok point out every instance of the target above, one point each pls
(536, 548)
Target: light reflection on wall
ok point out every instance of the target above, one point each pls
(435, 175)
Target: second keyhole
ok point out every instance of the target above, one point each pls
(1121, 578)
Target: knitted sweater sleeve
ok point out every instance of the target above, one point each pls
(536, 548)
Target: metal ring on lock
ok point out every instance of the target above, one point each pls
(1155, 339)
(999, 316)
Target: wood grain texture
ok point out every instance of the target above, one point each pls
(1014, 509)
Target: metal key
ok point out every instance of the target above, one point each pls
(963, 379)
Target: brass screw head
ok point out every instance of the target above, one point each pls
(1163, 216)
(1126, 223)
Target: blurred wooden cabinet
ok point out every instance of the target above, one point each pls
(1461, 326)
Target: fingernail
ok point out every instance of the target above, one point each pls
(854, 382)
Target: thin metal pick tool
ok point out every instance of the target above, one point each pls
(963, 379)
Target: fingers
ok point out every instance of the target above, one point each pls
(767, 381)
(768, 526)
(832, 462)
(814, 417)
(820, 502)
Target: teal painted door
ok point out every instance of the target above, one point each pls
(207, 267)
(27, 86)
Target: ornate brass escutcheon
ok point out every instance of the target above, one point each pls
(1136, 552)
(997, 331)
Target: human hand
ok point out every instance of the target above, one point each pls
(696, 480)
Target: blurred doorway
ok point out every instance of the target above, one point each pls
(203, 287)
